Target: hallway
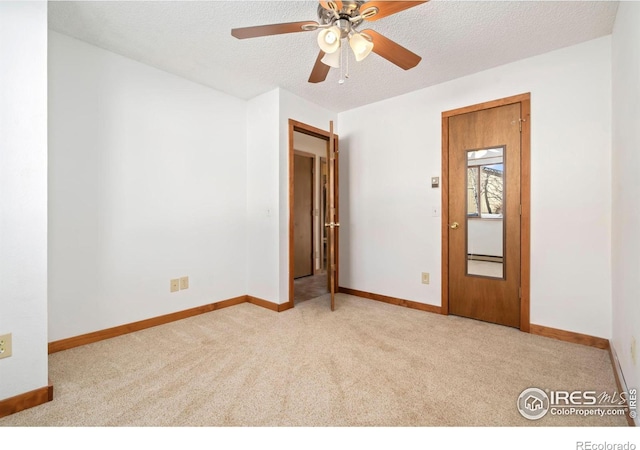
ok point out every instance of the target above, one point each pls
(306, 288)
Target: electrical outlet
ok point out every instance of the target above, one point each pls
(425, 278)
(435, 211)
(175, 285)
(634, 349)
(5, 345)
(184, 283)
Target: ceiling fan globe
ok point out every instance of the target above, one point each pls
(360, 45)
(329, 39)
(332, 59)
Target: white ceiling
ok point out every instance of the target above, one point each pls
(455, 38)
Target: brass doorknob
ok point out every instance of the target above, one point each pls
(454, 225)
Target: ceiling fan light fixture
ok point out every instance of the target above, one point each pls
(360, 45)
(329, 39)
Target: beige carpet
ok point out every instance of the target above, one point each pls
(366, 364)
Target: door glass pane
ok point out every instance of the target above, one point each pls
(485, 204)
(473, 192)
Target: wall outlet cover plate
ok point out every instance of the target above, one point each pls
(5, 346)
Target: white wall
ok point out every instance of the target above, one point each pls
(23, 194)
(263, 196)
(147, 183)
(296, 108)
(626, 189)
(392, 148)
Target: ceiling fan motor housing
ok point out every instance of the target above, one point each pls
(342, 18)
(345, 26)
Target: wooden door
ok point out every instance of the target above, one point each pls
(332, 218)
(303, 215)
(484, 214)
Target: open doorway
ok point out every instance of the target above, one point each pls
(309, 212)
(325, 212)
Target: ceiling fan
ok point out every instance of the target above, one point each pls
(338, 21)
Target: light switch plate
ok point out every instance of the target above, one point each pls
(184, 283)
(175, 285)
(425, 278)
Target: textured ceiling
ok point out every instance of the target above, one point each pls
(454, 38)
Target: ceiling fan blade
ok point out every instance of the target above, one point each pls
(269, 30)
(392, 51)
(387, 8)
(335, 5)
(320, 70)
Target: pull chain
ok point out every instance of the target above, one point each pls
(347, 58)
(341, 80)
(344, 61)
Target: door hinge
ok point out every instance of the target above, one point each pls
(520, 209)
(520, 292)
(520, 121)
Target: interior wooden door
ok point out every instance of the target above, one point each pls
(303, 215)
(332, 219)
(484, 210)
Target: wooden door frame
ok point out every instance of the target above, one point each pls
(525, 200)
(313, 201)
(309, 130)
